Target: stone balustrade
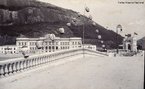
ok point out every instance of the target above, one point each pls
(12, 66)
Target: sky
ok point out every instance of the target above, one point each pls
(109, 13)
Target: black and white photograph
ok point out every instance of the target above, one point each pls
(72, 44)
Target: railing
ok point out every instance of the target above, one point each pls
(13, 66)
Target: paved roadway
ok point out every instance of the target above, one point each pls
(91, 72)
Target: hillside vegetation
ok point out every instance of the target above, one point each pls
(33, 18)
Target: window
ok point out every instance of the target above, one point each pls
(56, 43)
(52, 47)
(45, 43)
(56, 47)
(19, 43)
(52, 43)
(46, 48)
(49, 43)
(25, 43)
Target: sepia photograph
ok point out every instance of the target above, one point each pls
(72, 44)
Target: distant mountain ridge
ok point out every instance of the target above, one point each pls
(33, 18)
(141, 42)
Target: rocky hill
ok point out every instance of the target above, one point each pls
(33, 18)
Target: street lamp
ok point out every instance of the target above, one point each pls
(68, 24)
(99, 37)
(103, 46)
(97, 30)
(119, 27)
(102, 41)
(74, 21)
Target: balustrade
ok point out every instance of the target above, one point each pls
(12, 66)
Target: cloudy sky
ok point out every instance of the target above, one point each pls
(109, 13)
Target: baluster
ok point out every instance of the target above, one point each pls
(6, 70)
(38, 60)
(33, 63)
(17, 67)
(36, 63)
(14, 67)
(2, 70)
(43, 61)
(30, 63)
(24, 64)
(47, 58)
(10, 69)
(21, 66)
(51, 58)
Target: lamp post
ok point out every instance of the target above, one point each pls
(85, 10)
(119, 27)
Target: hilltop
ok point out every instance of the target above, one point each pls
(33, 18)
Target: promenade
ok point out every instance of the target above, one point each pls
(91, 72)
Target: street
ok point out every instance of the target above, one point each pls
(91, 72)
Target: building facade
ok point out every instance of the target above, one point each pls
(130, 43)
(8, 49)
(90, 46)
(49, 43)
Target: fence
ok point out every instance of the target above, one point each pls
(12, 66)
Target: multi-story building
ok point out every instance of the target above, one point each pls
(8, 49)
(49, 43)
(90, 46)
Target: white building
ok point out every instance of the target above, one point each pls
(90, 46)
(49, 43)
(8, 49)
